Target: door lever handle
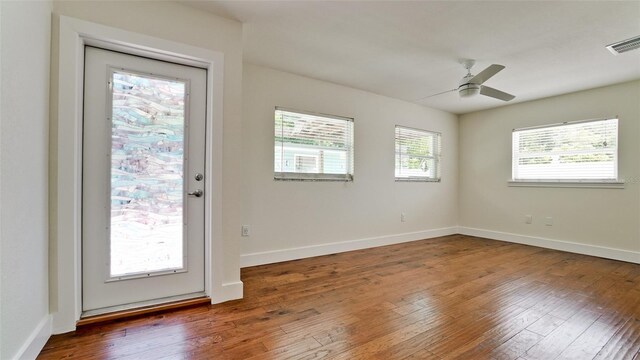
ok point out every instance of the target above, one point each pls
(197, 193)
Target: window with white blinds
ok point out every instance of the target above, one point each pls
(312, 146)
(417, 155)
(576, 151)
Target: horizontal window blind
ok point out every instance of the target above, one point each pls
(585, 150)
(417, 154)
(312, 146)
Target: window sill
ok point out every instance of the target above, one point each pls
(278, 176)
(567, 184)
(416, 179)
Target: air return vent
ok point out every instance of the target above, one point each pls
(624, 45)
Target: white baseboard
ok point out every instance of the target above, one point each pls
(593, 250)
(229, 291)
(275, 256)
(36, 340)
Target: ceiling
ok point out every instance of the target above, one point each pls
(409, 50)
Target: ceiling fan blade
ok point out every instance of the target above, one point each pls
(485, 74)
(440, 93)
(495, 93)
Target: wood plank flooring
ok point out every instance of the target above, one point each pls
(455, 297)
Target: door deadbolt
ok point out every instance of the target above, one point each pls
(199, 177)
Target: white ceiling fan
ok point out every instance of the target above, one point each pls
(471, 85)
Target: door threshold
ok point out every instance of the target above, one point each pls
(142, 308)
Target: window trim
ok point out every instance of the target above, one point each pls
(573, 122)
(436, 158)
(616, 183)
(313, 113)
(291, 176)
(295, 176)
(604, 184)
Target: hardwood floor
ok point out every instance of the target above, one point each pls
(453, 297)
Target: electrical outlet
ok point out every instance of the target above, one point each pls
(245, 230)
(548, 221)
(528, 219)
(402, 217)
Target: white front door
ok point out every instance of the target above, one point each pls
(143, 160)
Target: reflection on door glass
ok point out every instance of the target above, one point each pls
(147, 148)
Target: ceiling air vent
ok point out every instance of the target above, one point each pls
(624, 45)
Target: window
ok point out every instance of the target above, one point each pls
(312, 146)
(417, 155)
(576, 151)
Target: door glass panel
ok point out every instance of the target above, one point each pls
(147, 167)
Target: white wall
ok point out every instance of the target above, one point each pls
(607, 218)
(24, 113)
(182, 24)
(1, 116)
(291, 214)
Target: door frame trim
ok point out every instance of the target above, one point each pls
(66, 157)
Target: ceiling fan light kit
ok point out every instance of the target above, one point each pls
(468, 90)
